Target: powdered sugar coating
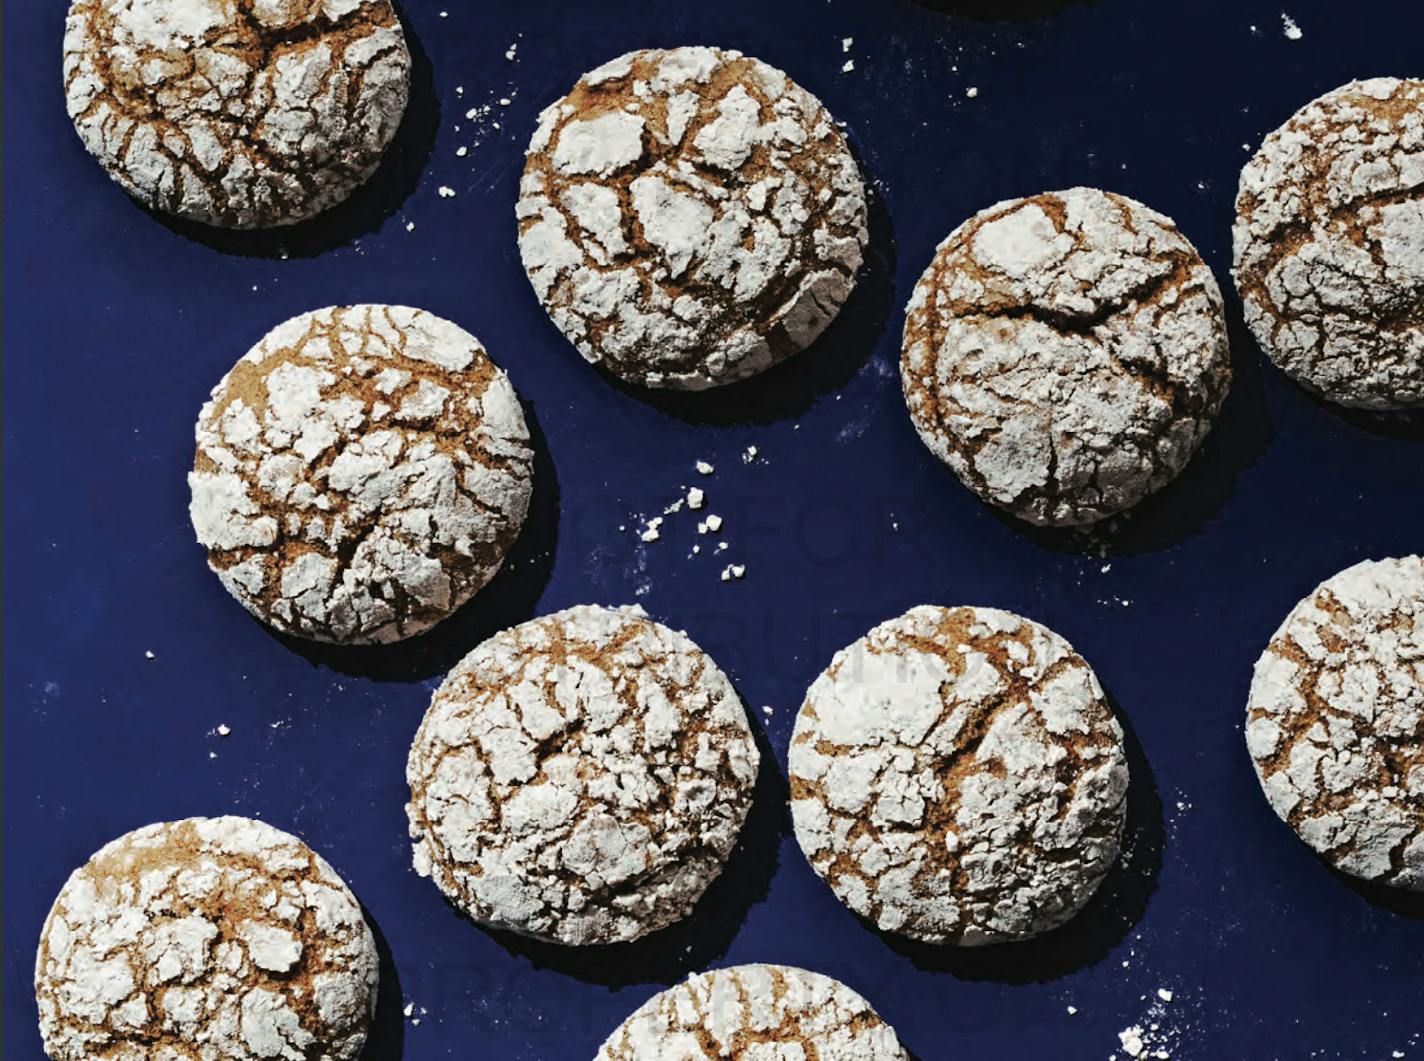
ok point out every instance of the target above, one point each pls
(360, 473)
(1335, 723)
(208, 939)
(755, 1013)
(1065, 354)
(239, 113)
(581, 778)
(1329, 244)
(690, 217)
(958, 777)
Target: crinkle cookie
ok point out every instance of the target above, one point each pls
(1335, 723)
(360, 473)
(238, 113)
(208, 939)
(1329, 244)
(1065, 354)
(958, 777)
(690, 217)
(755, 1013)
(580, 778)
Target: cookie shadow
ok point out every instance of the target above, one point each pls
(1001, 10)
(670, 955)
(790, 388)
(1186, 505)
(1399, 901)
(386, 1039)
(367, 208)
(1403, 425)
(509, 599)
(1109, 916)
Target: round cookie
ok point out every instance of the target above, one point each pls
(1329, 245)
(1335, 723)
(1065, 355)
(222, 939)
(958, 777)
(580, 778)
(360, 473)
(235, 113)
(754, 1013)
(690, 217)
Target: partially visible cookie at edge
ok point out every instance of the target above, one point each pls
(360, 474)
(958, 777)
(755, 1013)
(580, 778)
(1335, 721)
(208, 937)
(1329, 245)
(1065, 354)
(690, 217)
(233, 113)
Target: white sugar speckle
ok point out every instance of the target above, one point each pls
(1164, 994)
(650, 531)
(1072, 1010)
(512, 51)
(972, 92)
(410, 226)
(846, 43)
(703, 468)
(749, 454)
(849, 66)
(1290, 28)
(446, 192)
(696, 498)
(224, 730)
(714, 523)
(461, 152)
(149, 654)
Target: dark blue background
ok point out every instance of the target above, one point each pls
(118, 323)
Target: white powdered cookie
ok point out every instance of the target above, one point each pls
(580, 778)
(209, 939)
(236, 113)
(1335, 724)
(690, 217)
(360, 473)
(957, 776)
(1065, 355)
(755, 1013)
(1329, 244)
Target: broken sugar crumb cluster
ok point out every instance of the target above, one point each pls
(1335, 724)
(581, 777)
(205, 938)
(1066, 354)
(957, 777)
(243, 115)
(690, 217)
(360, 473)
(755, 1011)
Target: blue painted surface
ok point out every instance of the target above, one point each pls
(117, 324)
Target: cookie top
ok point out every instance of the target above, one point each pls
(1065, 354)
(957, 776)
(360, 473)
(755, 1013)
(690, 217)
(236, 113)
(580, 778)
(1329, 244)
(213, 939)
(1335, 724)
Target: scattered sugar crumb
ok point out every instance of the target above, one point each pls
(849, 66)
(714, 523)
(512, 51)
(1164, 994)
(1131, 1039)
(409, 1008)
(1290, 28)
(1107, 568)
(722, 547)
(504, 101)
(971, 92)
(148, 653)
(461, 152)
(650, 531)
(410, 226)
(673, 508)
(696, 498)
(447, 192)
(1072, 1010)
(732, 571)
(224, 729)
(749, 454)
(212, 755)
(846, 42)
(768, 710)
(703, 468)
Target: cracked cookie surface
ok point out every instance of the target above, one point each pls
(236, 113)
(1065, 355)
(360, 473)
(580, 778)
(208, 939)
(690, 217)
(755, 1013)
(958, 777)
(1329, 245)
(1335, 723)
